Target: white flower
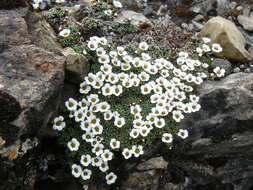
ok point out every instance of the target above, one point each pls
(206, 48)
(104, 106)
(127, 58)
(219, 72)
(167, 138)
(135, 109)
(145, 56)
(113, 78)
(98, 149)
(182, 133)
(134, 133)
(216, 48)
(113, 54)
(103, 41)
(121, 51)
(84, 104)
(143, 46)
(104, 58)
(84, 88)
(151, 118)
(93, 98)
(159, 123)
(108, 115)
(144, 131)
(125, 66)
(104, 167)
(108, 12)
(137, 62)
(85, 52)
(127, 83)
(146, 89)
(110, 178)
(206, 40)
(106, 68)
(76, 170)
(114, 143)
(85, 160)
(127, 153)
(79, 115)
(107, 155)
(137, 150)
(92, 45)
(100, 51)
(96, 161)
(85, 126)
(199, 50)
(88, 137)
(194, 106)
(194, 98)
(97, 130)
(177, 116)
(119, 122)
(86, 174)
(71, 104)
(183, 54)
(73, 145)
(59, 123)
(118, 90)
(64, 33)
(107, 90)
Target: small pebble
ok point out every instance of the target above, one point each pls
(239, 8)
(237, 70)
(247, 70)
(242, 66)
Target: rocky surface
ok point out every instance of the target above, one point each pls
(30, 78)
(224, 32)
(218, 153)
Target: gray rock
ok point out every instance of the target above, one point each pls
(134, 18)
(203, 7)
(197, 26)
(246, 22)
(224, 64)
(247, 36)
(30, 80)
(153, 163)
(236, 70)
(246, 12)
(77, 66)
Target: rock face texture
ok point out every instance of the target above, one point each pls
(30, 79)
(224, 32)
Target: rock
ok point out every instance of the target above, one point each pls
(142, 180)
(153, 163)
(77, 66)
(204, 7)
(246, 12)
(232, 5)
(135, 18)
(30, 80)
(197, 26)
(224, 32)
(42, 33)
(236, 70)
(198, 18)
(246, 22)
(247, 36)
(224, 64)
(225, 103)
(239, 8)
(6, 4)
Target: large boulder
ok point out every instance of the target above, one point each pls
(31, 79)
(224, 32)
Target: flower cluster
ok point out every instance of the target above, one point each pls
(168, 89)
